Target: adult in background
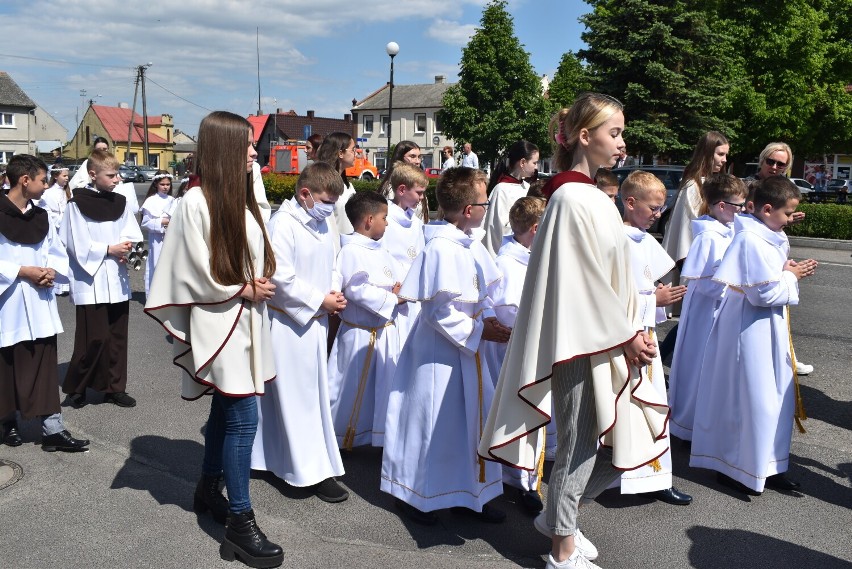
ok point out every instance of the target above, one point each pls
(580, 299)
(470, 159)
(211, 296)
(82, 179)
(449, 161)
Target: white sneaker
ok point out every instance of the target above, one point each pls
(803, 368)
(576, 561)
(586, 548)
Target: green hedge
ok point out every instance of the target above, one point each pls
(829, 221)
(281, 187)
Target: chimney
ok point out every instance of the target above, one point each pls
(278, 111)
(439, 78)
(310, 114)
(123, 106)
(347, 117)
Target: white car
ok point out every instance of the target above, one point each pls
(804, 186)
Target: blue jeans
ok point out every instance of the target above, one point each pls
(227, 446)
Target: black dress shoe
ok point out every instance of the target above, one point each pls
(673, 496)
(489, 514)
(725, 480)
(781, 482)
(531, 501)
(122, 399)
(63, 441)
(11, 436)
(415, 515)
(77, 400)
(330, 491)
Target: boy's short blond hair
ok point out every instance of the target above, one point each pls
(408, 175)
(640, 183)
(100, 160)
(457, 188)
(321, 177)
(526, 212)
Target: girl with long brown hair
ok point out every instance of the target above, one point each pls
(211, 298)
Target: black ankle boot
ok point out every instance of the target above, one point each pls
(244, 539)
(209, 497)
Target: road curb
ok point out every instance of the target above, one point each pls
(819, 243)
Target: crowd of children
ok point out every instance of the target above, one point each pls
(452, 347)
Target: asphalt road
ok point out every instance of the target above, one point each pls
(128, 502)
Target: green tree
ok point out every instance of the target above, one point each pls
(798, 60)
(570, 79)
(498, 98)
(669, 64)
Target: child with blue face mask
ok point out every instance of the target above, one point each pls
(295, 436)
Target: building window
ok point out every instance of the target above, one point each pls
(384, 119)
(439, 121)
(368, 124)
(7, 120)
(420, 122)
(5, 156)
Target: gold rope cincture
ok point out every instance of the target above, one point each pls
(479, 386)
(800, 414)
(349, 438)
(654, 464)
(539, 471)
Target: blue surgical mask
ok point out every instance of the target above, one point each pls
(319, 211)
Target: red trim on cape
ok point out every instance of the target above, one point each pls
(507, 179)
(568, 177)
(494, 458)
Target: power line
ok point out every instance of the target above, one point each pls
(64, 62)
(178, 96)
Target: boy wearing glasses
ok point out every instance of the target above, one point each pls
(726, 196)
(442, 389)
(644, 198)
(744, 424)
(31, 258)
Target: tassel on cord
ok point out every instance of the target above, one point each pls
(800, 414)
(539, 471)
(654, 464)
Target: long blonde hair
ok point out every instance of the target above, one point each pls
(589, 111)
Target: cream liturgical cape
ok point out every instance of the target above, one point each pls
(650, 263)
(744, 423)
(579, 300)
(702, 299)
(496, 222)
(222, 340)
(678, 237)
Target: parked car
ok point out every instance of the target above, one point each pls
(433, 172)
(130, 174)
(806, 188)
(147, 172)
(670, 176)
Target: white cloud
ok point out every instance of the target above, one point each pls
(453, 33)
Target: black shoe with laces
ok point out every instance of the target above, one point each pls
(11, 435)
(64, 442)
(244, 540)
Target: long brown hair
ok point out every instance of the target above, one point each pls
(701, 164)
(223, 140)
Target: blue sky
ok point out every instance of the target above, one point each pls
(317, 54)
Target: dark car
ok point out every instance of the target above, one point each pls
(670, 176)
(130, 174)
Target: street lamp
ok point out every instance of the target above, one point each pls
(392, 48)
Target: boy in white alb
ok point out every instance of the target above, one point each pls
(644, 198)
(744, 423)
(295, 435)
(32, 259)
(726, 196)
(512, 260)
(99, 229)
(363, 358)
(441, 390)
(404, 235)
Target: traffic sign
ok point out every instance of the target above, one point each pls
(362, 140)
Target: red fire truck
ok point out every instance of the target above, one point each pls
(292, 158)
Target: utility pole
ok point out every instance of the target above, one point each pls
(142, 69)
(257, 43)
(132, 112)
(77, 143)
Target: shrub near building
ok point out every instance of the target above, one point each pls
(280, 188)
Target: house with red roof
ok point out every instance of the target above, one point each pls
(115, 124)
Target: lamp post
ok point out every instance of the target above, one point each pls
(392, 48)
